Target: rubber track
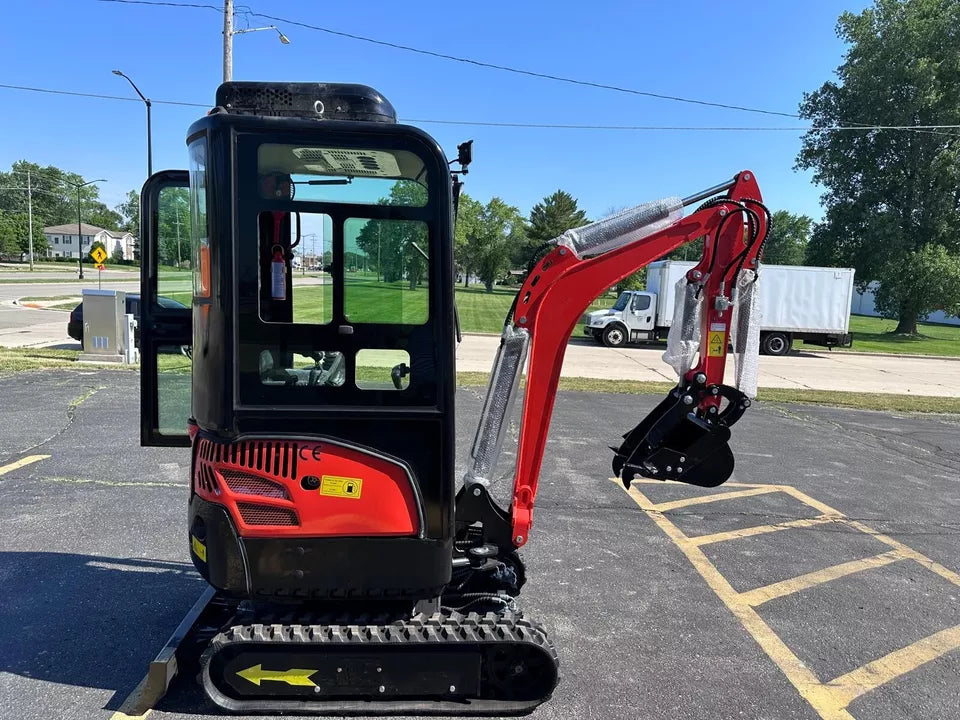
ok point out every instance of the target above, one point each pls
(448, 628)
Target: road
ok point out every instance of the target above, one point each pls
(836, 371)
(820, 582)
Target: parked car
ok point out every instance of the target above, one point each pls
(75, 323)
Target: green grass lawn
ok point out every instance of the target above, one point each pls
(871, 334)
(371, 301)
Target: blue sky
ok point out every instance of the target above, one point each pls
(765, 57)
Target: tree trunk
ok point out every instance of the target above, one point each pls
(488, 284)
(413, 283)
(907, 322)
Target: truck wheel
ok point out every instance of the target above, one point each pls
(615, 335)
(775, 343)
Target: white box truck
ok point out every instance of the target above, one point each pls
(811, 304)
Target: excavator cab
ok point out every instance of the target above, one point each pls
(297, 334)
(320, 411)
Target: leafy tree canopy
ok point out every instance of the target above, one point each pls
(892, 197)
(787, 242)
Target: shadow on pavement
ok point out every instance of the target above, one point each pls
(89, 621)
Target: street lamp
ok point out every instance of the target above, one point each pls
(79, 223)
(146, 101)
(229, 32)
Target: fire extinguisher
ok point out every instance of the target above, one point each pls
(278, 275)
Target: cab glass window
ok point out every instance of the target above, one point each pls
(385, 271)
(296, 285)
(200, 240)
(342, 175)
(641, 302)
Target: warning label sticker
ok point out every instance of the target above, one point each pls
(715, 344)
(199, 549)
(336, 486)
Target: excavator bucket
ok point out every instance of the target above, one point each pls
(677, 441)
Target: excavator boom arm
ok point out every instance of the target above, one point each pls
(558, 290)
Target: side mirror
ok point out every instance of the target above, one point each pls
(465, 155)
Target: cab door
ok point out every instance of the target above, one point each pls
(166, 292)
(640, 312)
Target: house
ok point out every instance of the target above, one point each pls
(62, 241)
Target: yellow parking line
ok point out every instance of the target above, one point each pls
(821, 698)
(4, 469)
(702, 499)
(855, 683)
(130, 708)
(908, 552)
(760, 595)
(807, 500)
(652, 481)
(700, 540)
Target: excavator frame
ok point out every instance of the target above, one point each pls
(410, 608)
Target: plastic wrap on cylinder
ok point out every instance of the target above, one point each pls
(623, 227)
(683, 340)
(745, 333)
(497, 406)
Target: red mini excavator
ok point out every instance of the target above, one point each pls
(350, 573)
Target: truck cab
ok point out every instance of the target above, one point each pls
(632, 318)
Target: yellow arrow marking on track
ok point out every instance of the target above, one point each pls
(293, 676)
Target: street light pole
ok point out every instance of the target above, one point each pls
(79, 221)
(146, 102)
(30, 217)
(229, 32)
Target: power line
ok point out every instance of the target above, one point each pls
(548, 126)
(99, 96)
(794, 128)
(471, 61)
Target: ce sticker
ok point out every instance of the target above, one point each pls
(307, 453)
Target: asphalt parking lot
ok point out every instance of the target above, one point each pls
(820, 582)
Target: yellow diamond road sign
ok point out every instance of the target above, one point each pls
(98, 254)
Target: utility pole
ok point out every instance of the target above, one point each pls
(30, 217)
(227, 40)
(229, 32)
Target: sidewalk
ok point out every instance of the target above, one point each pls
(847, 372)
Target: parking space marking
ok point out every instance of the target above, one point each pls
(703, 499)
(22, 462)
(130, 708)
(761, 530)
(829, 699)
(874, 674)
(760, 595)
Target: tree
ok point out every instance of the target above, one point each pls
(15, 234)
(468, 215)
(499, 228)
(549, 218)
(893, 197)
(8, 236)
(103, 217)
(173, 226)
(117, 255)
(787, 242)
(129, 211)
(396, 248)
